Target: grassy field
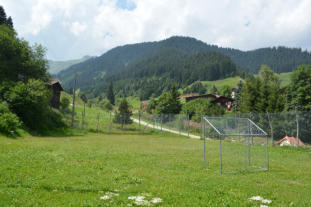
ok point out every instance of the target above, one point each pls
(232, 82)
(79, 170)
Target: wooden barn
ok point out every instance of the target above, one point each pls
(56, 87)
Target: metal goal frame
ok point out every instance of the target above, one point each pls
(242, 127)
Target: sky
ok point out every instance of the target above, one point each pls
(71, 29)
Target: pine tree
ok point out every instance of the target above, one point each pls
(3, 19)
(9, 22)
(237, 97)
(168, 102)
(299, 90)
(110, 94)
(214, 90)
(124, 113)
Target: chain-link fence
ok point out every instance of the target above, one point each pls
(243, 145)
(279, 125)
(111, 122)
(245, 138)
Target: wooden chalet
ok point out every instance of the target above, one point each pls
(223, 101)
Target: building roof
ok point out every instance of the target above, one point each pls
(55, 81)
(291, 140)
(188, 95)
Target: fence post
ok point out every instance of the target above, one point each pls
(123, 123)
(297, 130)
(161, 121)
(188, 117)
(109, 127)
(97, 122)
(179, 123)
(271, 129)
(204, 144)
(220, 149)
(139, 119)
(73, 102)
(267, 153)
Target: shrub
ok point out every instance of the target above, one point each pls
(201, 106)
(30, 102)
(8, 121)
(123, 116)
(64, 103)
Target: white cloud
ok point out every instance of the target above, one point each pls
(98, 25)
(77, 28)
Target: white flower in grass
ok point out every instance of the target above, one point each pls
(263, 206)
(139, 200)
(108, 195)
(156, 200)
(266, 201)
(105, 197)
(256, 198)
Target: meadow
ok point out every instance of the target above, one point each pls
(107, 169)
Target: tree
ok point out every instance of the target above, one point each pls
(197, 87)
(226, 91)
(299, 90)
(201, 106)
(214, 90)
(108, 106)
(237, 97)
(18, 60)
(110, 94)
(8, 121)
(263, 94)
(151, 105)
(30, 102)
(64, 103)
(3, 19)
(9, 22)
(124, 113)
(168, 102)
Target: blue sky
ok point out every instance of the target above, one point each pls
(70, 29)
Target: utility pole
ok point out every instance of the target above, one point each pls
(73, 101)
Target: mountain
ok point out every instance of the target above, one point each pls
(151, 76)
(126, 62)
(57, 66)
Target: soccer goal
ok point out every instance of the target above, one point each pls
(243, 145)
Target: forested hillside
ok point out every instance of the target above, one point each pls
(119, 62)
(151, 76)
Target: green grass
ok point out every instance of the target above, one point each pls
(78, 170)
(232, 82)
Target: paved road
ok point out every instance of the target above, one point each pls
(165, 129)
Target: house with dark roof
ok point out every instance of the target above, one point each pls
(56, 88)
(223, 101)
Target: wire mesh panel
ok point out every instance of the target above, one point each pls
(243, 145)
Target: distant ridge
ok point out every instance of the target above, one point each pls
(57, 66)
(119, 63)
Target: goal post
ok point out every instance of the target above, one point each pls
(243, 145)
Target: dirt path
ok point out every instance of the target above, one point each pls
(165, 129)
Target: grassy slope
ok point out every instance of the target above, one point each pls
(77, 171)
(232, 82)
